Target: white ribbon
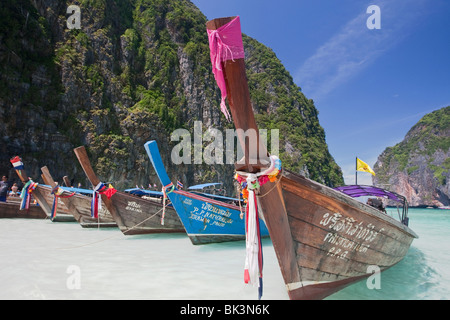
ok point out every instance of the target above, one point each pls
(251, 240)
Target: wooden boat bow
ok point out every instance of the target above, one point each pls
(40, 197)
(85, 163)
(83, 158)
(272, 202)
(316, 257)
(132, 213)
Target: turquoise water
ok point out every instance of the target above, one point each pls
(44, 260)
(424, 273)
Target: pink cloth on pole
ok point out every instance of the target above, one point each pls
(225, 43)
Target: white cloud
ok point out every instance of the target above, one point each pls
(355, 47)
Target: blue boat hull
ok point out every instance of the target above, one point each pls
(205, 220)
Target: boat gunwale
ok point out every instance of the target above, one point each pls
(347, 200)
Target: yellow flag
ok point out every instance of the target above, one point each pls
(362, 166)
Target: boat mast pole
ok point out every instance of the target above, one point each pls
(356, 170)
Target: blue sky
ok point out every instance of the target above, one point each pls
(369, 86)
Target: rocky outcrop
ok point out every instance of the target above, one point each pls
(135, 71)
(419, 166)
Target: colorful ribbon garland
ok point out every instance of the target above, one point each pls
(254, 257)
(27, 190)
(58, 193)
(96, 200)
(270, 174)
(96, 197)
(250, 183)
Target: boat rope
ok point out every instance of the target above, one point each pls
(57, 193)
(269, 174)
(116, 235)
(273, 187)
(164, 191)
(156, 213)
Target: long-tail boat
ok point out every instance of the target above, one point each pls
(324, 240)
(42, 194)
(79, 201)
(206, 220)
(133, 214)
(11, 209)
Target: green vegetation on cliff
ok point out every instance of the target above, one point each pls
(426, 137)
(137, 70)
(419, 166)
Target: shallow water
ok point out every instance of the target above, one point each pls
(41, 259)
(424, 273)
(44, 260)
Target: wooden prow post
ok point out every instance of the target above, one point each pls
(272, 203)
(83, 158)
(238, 96)
(48, 179)
(23, 175)
(40, 198)
(67, 181)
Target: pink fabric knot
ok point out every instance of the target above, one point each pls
(225, 43)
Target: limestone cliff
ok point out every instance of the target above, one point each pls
(419, 166)
(135, 71)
